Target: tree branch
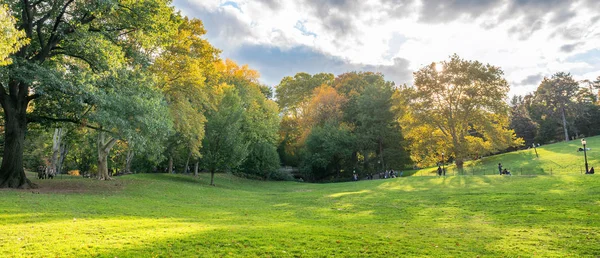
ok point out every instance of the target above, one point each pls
(33, 96)
(39, 119)
(2, 89)
(110, 144)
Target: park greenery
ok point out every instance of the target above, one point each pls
(99, 89)
(119, 87)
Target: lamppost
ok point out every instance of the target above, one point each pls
(536, 155)
(443, 170)
(585, 154)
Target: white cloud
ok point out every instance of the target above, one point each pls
(537, 37)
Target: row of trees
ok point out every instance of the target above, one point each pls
(455, 111)
(132, 78)
(91, 83)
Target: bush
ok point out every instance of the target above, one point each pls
(281, 175)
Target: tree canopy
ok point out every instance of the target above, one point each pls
(457, 107)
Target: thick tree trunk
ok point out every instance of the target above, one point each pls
(104, 147)
(170, 164)
(187, 163)
(196, 169)
(12, 174)
(212, 177)
(56, 143)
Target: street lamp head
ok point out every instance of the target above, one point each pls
(583, 141)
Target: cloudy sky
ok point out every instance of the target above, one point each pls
(528, 39)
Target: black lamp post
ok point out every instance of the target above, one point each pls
(585, 154)
(443, 170)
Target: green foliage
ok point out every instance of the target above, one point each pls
(224, 147)
(259, 122)
(461, 110)
(292, 92)
(129, 106)
(555, 98)
(186, 70)
(326, 149)
(262, 161)
(11, 39)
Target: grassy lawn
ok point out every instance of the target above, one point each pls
(160, 215)
(554, 159)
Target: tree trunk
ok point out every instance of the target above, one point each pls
(187, 163)
(170, 164)
(61, 159)
(564, 122)
(212, 177)
(12, 174)
(196, 169)
(459, 164)
(56, 143)
(128, 159)
(104, 147)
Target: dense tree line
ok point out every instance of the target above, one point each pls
(123, 85)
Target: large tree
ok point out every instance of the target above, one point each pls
(260, 120)
(556, 97)
(186, 70)
(457, 107)
(293, 95)
(62, 32)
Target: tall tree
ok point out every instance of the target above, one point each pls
(223, 146)
(457, 110)
(65, 31)
(260, 120)
(186, 70)
(556, 96)
(293, 95)
(129, 108)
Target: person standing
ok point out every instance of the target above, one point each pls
(500, 168)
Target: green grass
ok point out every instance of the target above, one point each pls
(554, 159)
(160, 215)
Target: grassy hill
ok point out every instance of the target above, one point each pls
(161, 215)
(554, 159)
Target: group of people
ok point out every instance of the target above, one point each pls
(441, 171)
(503, 171)
(383, 175)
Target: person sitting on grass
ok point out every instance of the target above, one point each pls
(591, 171)
(506, 172)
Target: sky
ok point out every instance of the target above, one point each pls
(528, 39)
